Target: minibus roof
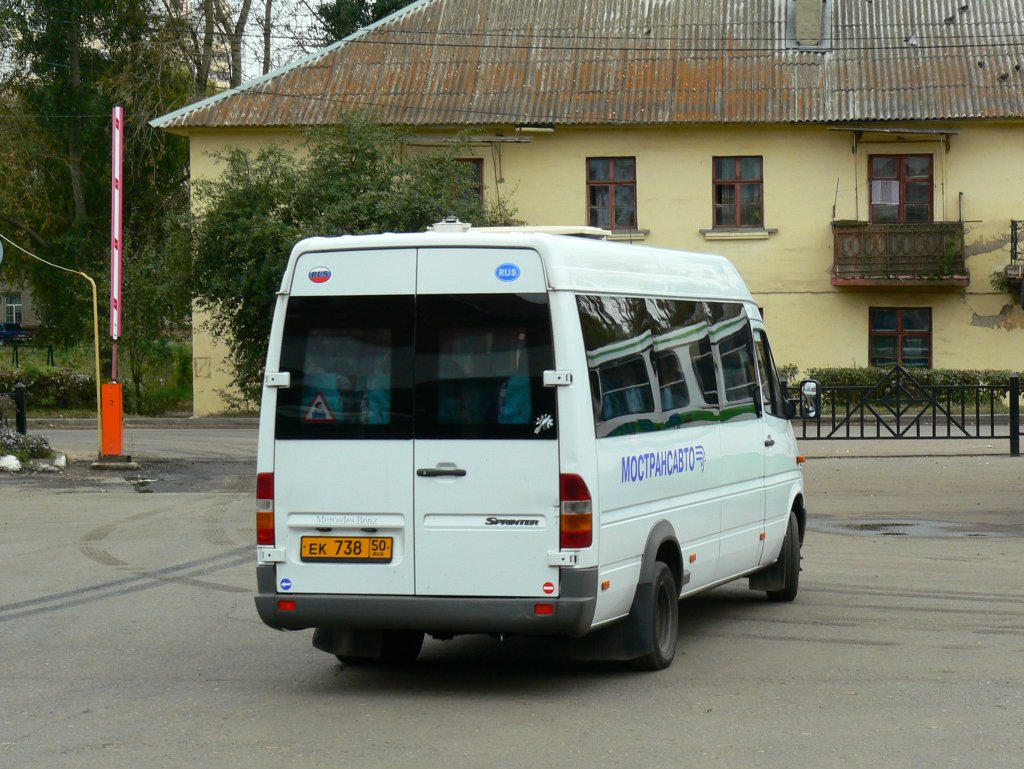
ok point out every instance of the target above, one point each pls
(572, 263)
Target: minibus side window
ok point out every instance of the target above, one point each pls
(731, 335)
(650, 363)
(771, 388)
(684, 362)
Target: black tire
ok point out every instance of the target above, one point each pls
(662, 622)
(401, 647)
(790, 560)
(398, 647)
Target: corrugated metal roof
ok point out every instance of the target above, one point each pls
(647, 62)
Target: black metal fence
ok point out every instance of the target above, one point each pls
(16, 356)
(899, 407)
(20, 410)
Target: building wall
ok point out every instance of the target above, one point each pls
(812, 175)
(211, 372)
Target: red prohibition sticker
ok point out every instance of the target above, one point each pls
(548, 588)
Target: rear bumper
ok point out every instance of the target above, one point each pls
(573, 613)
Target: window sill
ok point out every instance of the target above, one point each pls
(738, 233)
(630, 236)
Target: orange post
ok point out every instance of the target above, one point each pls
(113, 420)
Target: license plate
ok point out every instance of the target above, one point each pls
(347, 549)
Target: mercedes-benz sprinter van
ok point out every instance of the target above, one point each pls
(517, 433)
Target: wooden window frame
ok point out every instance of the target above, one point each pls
(901, 179)
(477, 164)
(612, 183)
(736, 183)
(901, 333)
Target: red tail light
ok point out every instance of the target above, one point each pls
(265, 509)
(577, 513)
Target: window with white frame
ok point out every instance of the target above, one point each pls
(12, 308)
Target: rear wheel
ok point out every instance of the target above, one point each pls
(662, 623)
(401, 647)
(397, 647)
(789, 558)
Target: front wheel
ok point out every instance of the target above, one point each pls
(661, 625)
(789, 559)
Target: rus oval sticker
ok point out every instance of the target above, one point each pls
(507, 272)
(319, 275)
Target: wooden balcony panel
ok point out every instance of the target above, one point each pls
(899, 255)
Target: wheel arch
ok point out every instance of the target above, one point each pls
(662, 545)
(798, 508)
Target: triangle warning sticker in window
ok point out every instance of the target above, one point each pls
(319, 411)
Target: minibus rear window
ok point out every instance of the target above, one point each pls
(350, 360)
(476, 372)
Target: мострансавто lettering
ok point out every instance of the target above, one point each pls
(660, 464)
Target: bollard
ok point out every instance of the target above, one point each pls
(21, 414)
(1015, 415)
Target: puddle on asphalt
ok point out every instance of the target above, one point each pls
(912, 528)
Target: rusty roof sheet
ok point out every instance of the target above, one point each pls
(646, 62)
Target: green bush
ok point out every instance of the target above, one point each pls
(24, 447)
(51, 389)
(964, 380)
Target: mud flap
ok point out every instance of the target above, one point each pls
(771, 578)
(625, 640)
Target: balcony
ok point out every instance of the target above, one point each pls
(899, 255)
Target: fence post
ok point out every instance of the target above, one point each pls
(1015, 415)
(21, 415)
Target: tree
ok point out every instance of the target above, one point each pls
(356, 178)
(341, 18)
(67, 62)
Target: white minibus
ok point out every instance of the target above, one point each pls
(466, 431)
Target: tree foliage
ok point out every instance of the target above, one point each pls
(66, 63)
(340, 18)
(357, 178)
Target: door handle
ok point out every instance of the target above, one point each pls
(439, 472)
(769, 441)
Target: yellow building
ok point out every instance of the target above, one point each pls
(861, 163)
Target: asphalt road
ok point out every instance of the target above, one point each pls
(129, 638)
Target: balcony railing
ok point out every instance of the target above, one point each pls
(913, 255)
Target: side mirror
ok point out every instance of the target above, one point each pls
(810, 399)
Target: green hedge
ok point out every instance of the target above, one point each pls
(926, 377)
(869, 376)
(51, 388)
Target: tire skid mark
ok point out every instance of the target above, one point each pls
(942, 595)
(904, 609)
(191, 570)
(205, 584)
(98, 554)
(769, 620)
(88, 544)
(790, 638)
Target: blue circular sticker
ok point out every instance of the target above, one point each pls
(507, 272)
(286, 584)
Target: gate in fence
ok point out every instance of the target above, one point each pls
(899, 407)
